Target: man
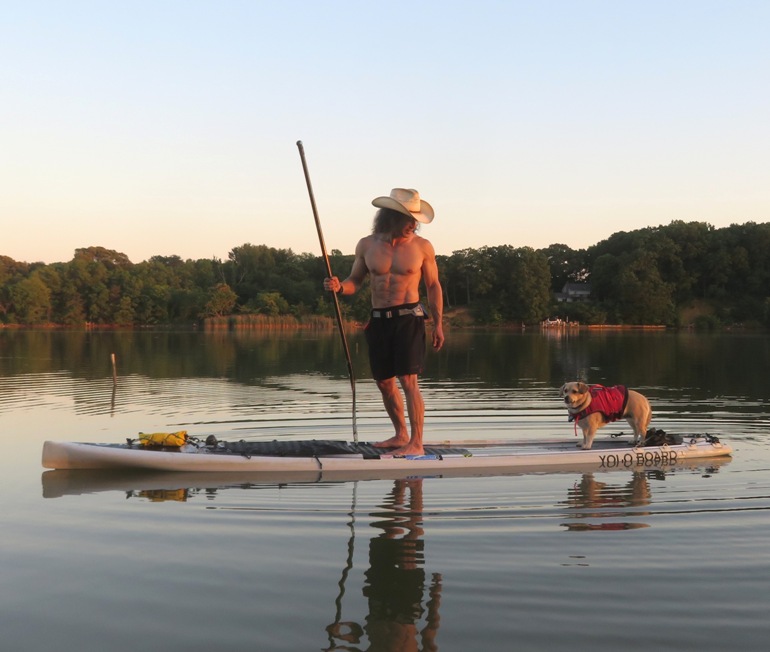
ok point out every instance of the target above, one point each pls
(395, 258)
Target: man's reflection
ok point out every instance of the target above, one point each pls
(395, 581)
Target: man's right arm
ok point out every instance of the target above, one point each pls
(357, 275)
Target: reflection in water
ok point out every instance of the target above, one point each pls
(59, 386)
(602, 500)
(616, 504)
(161, 495)
(397, 605)
(593, 499)
(395, 585)
(704, 366)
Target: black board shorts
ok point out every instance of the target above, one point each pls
(396, 344)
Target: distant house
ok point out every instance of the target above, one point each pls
(572, 292)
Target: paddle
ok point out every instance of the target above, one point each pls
(334, 294)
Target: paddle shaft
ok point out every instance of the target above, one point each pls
(337, 311)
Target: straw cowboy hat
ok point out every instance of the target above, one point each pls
(408, 202)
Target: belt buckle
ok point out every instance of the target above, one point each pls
(417, 311)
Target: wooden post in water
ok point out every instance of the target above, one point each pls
(114, 383)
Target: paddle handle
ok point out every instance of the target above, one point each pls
(329, 273)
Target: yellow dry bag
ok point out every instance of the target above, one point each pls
(174, 439)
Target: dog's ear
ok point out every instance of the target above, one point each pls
(582, 387)
(563, 389)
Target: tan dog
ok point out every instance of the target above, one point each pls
(594, 406)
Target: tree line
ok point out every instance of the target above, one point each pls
(666, 275)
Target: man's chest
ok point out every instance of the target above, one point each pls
(399, 259)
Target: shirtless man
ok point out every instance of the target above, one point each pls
(395, 258)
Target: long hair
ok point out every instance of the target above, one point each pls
(387, 221)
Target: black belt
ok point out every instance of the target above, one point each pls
(417, 311)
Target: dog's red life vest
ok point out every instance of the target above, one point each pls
(610, 401)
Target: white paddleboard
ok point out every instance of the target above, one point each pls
(606, 454)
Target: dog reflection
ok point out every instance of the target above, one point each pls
(395, 581)
(604, 500)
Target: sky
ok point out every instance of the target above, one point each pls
(169, 127)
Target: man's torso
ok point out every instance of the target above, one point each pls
(395, 269)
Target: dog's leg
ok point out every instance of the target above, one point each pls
(646, 422)
(589, 430)
(634, 428)
(639, 428)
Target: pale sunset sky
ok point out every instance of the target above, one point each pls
(168, 127)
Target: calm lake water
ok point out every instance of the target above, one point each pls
(670, 559)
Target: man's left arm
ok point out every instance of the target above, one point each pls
(435, 294)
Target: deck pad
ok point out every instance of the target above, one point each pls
(319, 448)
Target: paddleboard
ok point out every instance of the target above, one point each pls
(313, 456)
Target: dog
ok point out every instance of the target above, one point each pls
(594, 406)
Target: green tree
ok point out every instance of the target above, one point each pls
(465, 277)
(565, 264)
(11, 273)
(32, 300)
(644, 297)
(529, 286)
(516, 285)
(106, 257)
(222, 300)
(125, 315)
(270, 303)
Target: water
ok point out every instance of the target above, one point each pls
(671, 559)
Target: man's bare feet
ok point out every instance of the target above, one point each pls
(410, 449)
(393, 442)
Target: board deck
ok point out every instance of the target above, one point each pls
(441, 457)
